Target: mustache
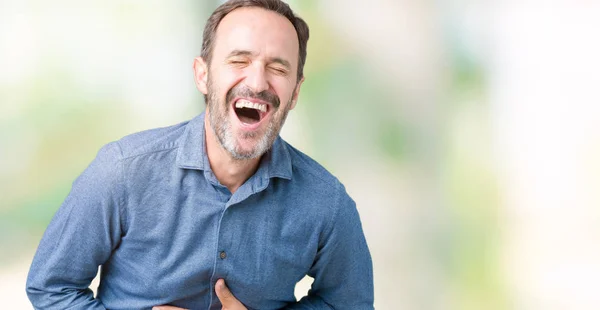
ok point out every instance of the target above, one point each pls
(243, 91)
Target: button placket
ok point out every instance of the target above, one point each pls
(220, 271)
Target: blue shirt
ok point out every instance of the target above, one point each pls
(152, 214)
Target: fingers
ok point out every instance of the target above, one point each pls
(227, 299)
(223, 292)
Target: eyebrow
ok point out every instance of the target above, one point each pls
(278, 60)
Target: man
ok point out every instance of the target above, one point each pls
(218, 212)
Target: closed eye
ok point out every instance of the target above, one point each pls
(279, 71)
(238, 62)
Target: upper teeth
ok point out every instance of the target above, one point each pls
(242, 103)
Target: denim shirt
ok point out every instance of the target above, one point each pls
(152, 214)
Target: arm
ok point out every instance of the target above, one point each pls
(81, 236)
(342, 271)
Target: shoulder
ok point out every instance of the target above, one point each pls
(303, 164)
(114, 156)
(315, 178)
(151, 141)
(323, 194)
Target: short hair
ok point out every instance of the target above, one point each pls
(277, 6)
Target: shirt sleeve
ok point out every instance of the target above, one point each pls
(81, 236)
(343, 270)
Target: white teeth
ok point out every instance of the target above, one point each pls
(252, 105)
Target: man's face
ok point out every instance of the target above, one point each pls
(251, 83)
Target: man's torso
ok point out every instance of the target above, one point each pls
(182, 230)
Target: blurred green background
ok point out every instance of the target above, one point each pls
(446, 121)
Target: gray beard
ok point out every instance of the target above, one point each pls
(221, 127)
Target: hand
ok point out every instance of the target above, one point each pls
(227, 299)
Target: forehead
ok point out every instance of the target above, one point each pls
(260, 31)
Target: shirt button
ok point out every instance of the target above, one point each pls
(222, 255)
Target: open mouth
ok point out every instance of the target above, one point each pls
(250, 112)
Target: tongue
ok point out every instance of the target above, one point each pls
(247, 120)
(248, 116)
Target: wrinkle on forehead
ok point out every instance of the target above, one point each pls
(264, 33)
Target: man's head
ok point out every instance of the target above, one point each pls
(250, 71)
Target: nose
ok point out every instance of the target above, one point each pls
(256, 78)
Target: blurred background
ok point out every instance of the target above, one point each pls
(467, 131)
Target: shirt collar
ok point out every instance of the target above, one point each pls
(192, 153)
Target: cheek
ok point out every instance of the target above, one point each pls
(283, 89)
(224, 80)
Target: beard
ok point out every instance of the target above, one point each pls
(223, 129)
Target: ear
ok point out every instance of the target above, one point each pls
(296, 93)
(201, 74)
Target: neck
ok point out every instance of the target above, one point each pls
(230, 172)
